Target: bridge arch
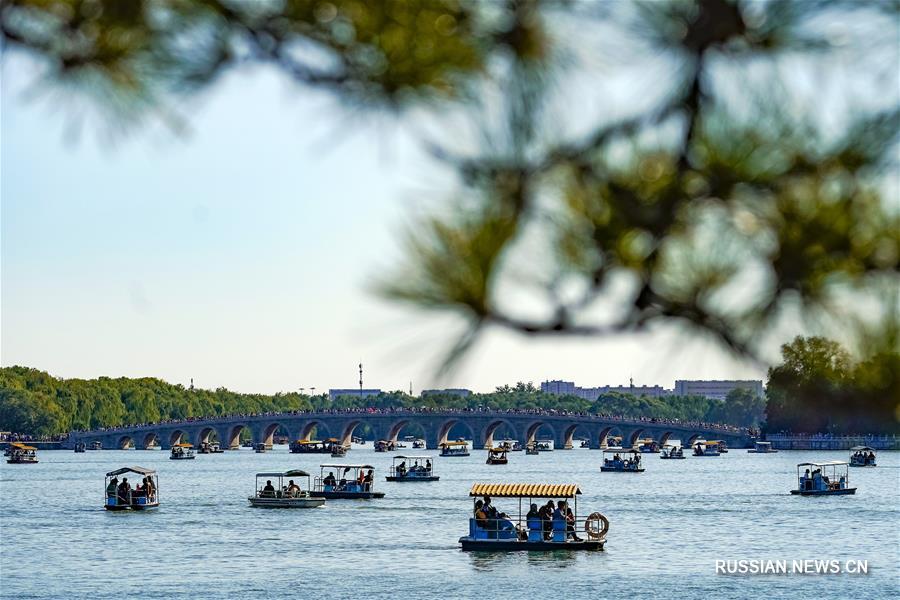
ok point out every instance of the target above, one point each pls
(664, 437)
(569, 432)
(232, 439)
(486, 439)
(532, 428)
(346, 431)
(691, 439)
(631, 439)
(269, 431)
(125, 442)
(444, 428)
(319, 426)
(207, 434)
(151, 438)
(176, 436)
(608, 432)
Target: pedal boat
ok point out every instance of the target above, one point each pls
(704, 448)
(311, 447)
(671, 452)
(649, 446)
(507, 534)
(183, 451)
(818, 483)
(762, 448)
(280, 498)
(417, 472)
(496, 456)
(134, 500)
(621, 460)
(457, 448)
(531, 449)
(22, 454)
(859, 456)
(341, 487)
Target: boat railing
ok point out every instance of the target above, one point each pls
(342, 485)
(592, 527)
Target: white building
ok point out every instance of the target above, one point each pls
(716, 389)
(557, 386)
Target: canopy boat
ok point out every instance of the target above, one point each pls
(584, 444)
(511, 445)
(338, 451)
(531, 449)
(824, 479)
(22, 454)
(357, 440)
(419, 444)
(313, 446)
(621, 460)
(360, 484)
(183, 451)
(210, 448)
(80, 447)
(120, 495)
(457, 448)
(421, 469)
(385, 446)
(283, 496)
(671, 451)
(723, 447)
(862, 456)
(648, 446)
(95, 445)
(260, 447)
(544, 445)
(496, 456)
(247, 444)
(762, 448)
(548, 528)
(704, 448)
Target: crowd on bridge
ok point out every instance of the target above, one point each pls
(10, 436)
(429, 410)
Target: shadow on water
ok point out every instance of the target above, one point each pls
(489, 561)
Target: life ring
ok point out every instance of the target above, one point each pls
(594, 530)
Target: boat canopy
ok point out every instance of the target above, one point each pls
(332, 440)
(408, 457)
(292, 473)
(307, 442)
(617, 450)
(525, 490)
(862, 448)
(337, 466)
(184, 445)
(454, 443)
(827, 463)
(138, 470)
(497, 450)
(22, 446)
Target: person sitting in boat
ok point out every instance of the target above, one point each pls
(428, 466)
(368, 479)
(111, 488)
(533, 519)
(292, 489)
(804, 479)
(570, 525)
(559, 517)
(546, 513)
(268, 490)
(480, 516)
(401, 469)
(329, 479)
(124, 491)
(870, 459)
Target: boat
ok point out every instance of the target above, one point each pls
(762, 448)
(502, 533)
(360, 484)
(95, 445)
(210, 448)
(183, 451)
(819, 483)
(421, 469)
(338, 451)
(80, 447)
(621, 460)
(544, 445)
(260, 448)
(357, 440)
(419, 444)
(311, 447)
(531, 449)
(862, 456)
(385, 446)
(121, 496)
(671, 451)
(511, 445)
(247, 444)
(496, 456)
(584, 444)
(704, 448)
(648, 446)
(283, 496)
(457, 448)
(22, 454)
(723, 447)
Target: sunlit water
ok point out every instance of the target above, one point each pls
(668, 525)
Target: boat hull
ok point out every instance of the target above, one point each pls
(182, 457)
(454, 455)
(135, 507)
(497, 462)
(311, 502)
(844, 492)
(411, 479)
(22, 462)
(473, 545)
(863, 466)
(615, 470)
(673, 457)
(348, 495)
(762, 451)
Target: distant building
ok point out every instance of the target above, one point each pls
(335, 393)
(557, 386)
(717, 390)
(452, 391)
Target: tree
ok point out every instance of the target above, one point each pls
(743, 406)
(667, 205)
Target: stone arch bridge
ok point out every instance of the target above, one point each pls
(388, 425)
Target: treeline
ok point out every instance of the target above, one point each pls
(32, 401)
(818, 388)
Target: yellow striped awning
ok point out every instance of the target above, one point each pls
(525, 490)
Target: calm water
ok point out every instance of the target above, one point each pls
(668, 525)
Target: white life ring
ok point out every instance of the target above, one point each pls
(596, 526)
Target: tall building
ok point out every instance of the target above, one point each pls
(335, 393)
(716, 389)
(557, 386)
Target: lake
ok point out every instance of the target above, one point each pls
(668, 527)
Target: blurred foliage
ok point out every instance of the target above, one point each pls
(34, 402)
(747, 184)
(818, 388)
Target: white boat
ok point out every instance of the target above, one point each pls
(704, 448)
(121, 496)
(862, 456)
(671, 452)
(283, 496)
(831, 478)
(22, 454)
(457, 448)
(420, 468)
(623, 460)
(762, 448)
(182, 452)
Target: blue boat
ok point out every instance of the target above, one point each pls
(420, 468)
(831, 478)
(621, 460)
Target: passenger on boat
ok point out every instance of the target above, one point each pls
(150, 490)
(428, 466)
(268, 491)
(480, 515)
(570, 525)
(368, 479)
(546, 513)
(111, 488)
(124, 491)
(533, 521)
(292, 489)
(329, 479)
(401, 469)
(559, 517)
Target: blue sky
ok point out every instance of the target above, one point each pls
(241, 253)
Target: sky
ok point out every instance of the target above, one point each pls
(242, 253)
